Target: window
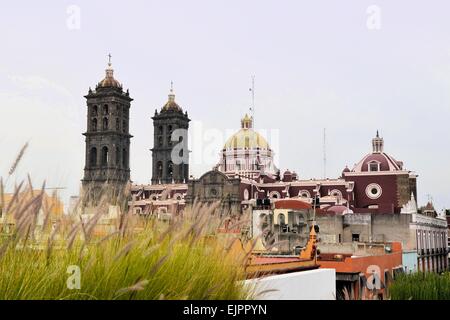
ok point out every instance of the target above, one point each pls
(94, 111)
(93, 157)
(373, 191)
(94, 124)
(125, 158)
(160, 130)
(160, 141)
(105, 110)
(274, 195)
(124, 126)
(336, 193)
(117, 156)
(355, 237)
(117, 124)
(105, 123)
(169, 169)
(304, 194)
(374, 166)
(159, 169)
(169, 135)
(282, 223)
(105, 156)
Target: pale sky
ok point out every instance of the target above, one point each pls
(317, 65)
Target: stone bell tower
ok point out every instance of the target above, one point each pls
(107, 162)
(170, 154)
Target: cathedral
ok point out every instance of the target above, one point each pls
(374, 202)
(245, 173)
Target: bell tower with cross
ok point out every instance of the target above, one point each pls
(107, 137)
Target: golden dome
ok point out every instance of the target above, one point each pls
(246, 137)
(171, 105)
(109, 80)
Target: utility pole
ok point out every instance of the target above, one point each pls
(324, 153)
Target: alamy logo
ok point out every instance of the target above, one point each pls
(73, 21)
(374, 17)
(74, 280)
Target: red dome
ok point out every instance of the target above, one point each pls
(378, 162)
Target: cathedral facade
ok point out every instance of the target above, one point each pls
(245, 173)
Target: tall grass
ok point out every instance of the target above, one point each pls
(180, 260)
(421, 286)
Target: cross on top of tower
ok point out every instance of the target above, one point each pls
(109, 58)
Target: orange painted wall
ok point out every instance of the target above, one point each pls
(361, 264)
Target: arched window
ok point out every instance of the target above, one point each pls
(336, 193)
(117, 156)
(125, 158)
(94, 124)
(374, 166)
(117, 124)
(169, 169)
(105, 110)
(160, 141)
(159, 169)
(169, 135)
(93, 157)
(160, 130)
(105, 123)
(94, 111)
(304, 194)
(274, 195)
(105, 156)
(124, 126)
(281, 219)
(181, 153)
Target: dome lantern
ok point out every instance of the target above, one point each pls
(377, 144)
(247, 122)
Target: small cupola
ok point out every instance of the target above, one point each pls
(377, 144)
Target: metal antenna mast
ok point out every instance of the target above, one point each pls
(324, 153)
(252, 108)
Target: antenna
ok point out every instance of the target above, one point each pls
(252, 108)
(324, 153)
